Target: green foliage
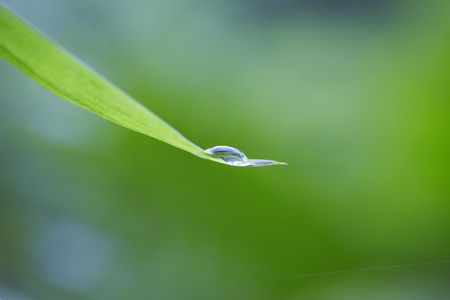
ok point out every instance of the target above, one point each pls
(55, 69)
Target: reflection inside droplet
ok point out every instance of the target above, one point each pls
(235, 157)
(230, 155)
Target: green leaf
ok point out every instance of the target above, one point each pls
(57, 71)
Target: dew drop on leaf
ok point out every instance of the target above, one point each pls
(235, 157)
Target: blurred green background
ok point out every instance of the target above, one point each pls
(354, 95)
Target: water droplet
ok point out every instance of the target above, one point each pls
(235, 157)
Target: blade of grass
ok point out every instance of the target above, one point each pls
(59, 72)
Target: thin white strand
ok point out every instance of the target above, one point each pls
(340, 271)
(368, 269)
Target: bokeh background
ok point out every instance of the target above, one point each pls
(354, 95)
